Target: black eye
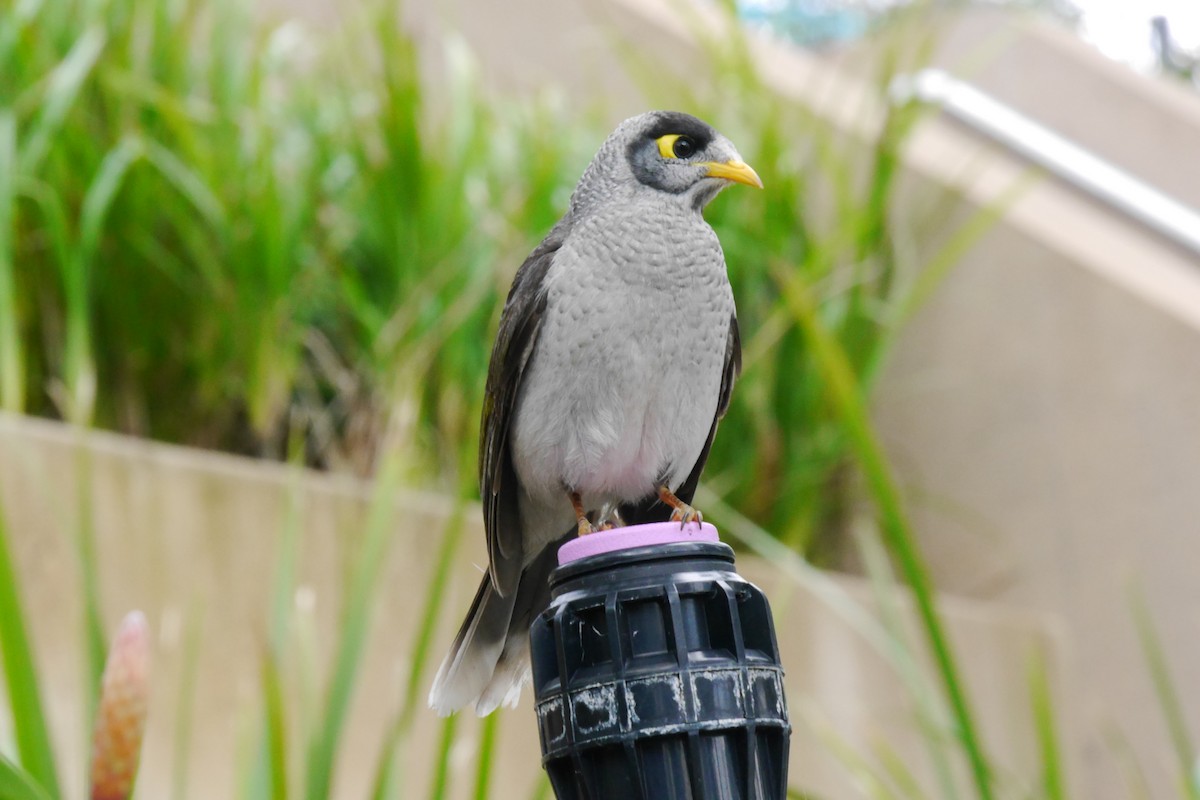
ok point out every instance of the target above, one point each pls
(683, 147)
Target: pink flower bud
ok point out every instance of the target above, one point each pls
(121, 718)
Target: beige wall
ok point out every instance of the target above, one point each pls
(192, 539)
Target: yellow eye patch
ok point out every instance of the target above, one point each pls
(666, 145)
(676, 145)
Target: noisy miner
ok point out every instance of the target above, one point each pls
(615, 357)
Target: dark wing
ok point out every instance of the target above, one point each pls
(654, 510)
(515, 340)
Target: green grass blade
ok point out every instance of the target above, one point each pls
(930, 709)
(188, 183)
(52, 220)
(79, 369)
(101, 193)
(435, 603)
(256, 778)
(845, 392)
(19, 17)
(12, 368)
(275, 741)
(1168, 697)
(355, 622)
(441, 769)
(185, 703)
(20, 672)
(275, 728)
(64, 85)
(387, 774)
(487, 753)
(16, 784)
(1047, 731)
(95, 638)
(430, 613)
(287, 567)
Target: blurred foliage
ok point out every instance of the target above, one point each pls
(253, 238)
(219, 234)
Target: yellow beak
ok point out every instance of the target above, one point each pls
(737, 171)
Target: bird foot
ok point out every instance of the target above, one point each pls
(681, 512)
(586, 527)
(684, 514)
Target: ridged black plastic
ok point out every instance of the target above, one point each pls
(656, 676)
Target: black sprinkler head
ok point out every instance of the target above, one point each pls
(656, 672)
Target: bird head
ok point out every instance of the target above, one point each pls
(666, 152)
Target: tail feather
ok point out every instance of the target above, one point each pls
(510, 675)
(472, 659)
(489, 661)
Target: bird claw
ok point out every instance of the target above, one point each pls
(685, 514)
(681, 512)
(585, 527)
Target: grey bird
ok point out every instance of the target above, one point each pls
(614, 360)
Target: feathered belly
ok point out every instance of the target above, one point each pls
(613, 413)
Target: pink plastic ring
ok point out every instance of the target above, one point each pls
(655, 533)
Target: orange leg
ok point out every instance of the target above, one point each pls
(681, 511)
(585, 527)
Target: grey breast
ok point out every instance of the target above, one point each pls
(622, 386)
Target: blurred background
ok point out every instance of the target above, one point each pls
(252, 257)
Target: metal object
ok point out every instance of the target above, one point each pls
(1058, 156)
